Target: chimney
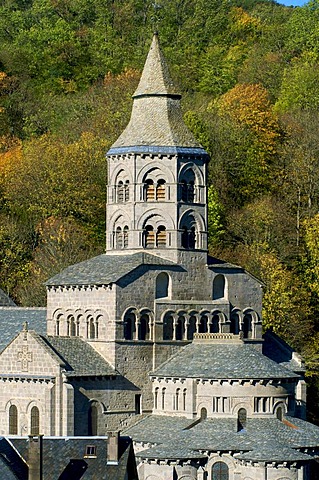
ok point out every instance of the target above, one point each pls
(113, 448)
(35, 457)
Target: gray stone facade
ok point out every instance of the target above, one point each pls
(155, 337)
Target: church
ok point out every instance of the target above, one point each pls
(155, 338)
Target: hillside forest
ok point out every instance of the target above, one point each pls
(249, 73)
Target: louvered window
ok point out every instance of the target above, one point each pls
(160, 190)
(161, 237)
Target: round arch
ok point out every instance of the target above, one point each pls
(154, 172)
(199, 178)
(154, 217)
(120, 172)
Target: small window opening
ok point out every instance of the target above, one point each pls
(90, 451)
(138, 404)
(241, 420)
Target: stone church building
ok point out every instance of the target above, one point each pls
(155, 338)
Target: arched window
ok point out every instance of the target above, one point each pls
(125, 237)
(189, 236)
(91, 328)
(13, 420)
(234, 324)
(127, 191)
(191, 327)
(118, 238)
(180, 328)
(129, 326)
(72, 327)
(163, 398)
(203, 324)
(220, 471)
(156, 398)
(177, 395)
(241, 419)
(149, 237)
(144, 328)
(93, 419)
(247, 326)
(57, 328)
(162, 285)
(219, 287)
(184, 399)
(149, 190)
(35, 421)
(161, 236)
(160, 190)
(203, 413)
(214, 326)
(188, 187)
(120, 192)
(279, 413)
(168, 327)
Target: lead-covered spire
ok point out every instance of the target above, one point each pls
(156, 123)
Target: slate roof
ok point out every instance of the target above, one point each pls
(78, 357)
(12, 319)
(105, 269)
(221, 361)
(280, 352)
(5, 300)
(64, 458)
(156, 119)
(266, 439)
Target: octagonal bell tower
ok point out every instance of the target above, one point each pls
(157, 175)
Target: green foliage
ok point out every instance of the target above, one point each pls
(215, 219)
(248, 71)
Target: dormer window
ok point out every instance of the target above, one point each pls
(90, 451)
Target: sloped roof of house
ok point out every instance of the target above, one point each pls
(222, 361)
(156, 119)
(64, 457)
(12, 319)
(78, 357)
(105, 269)
(266, 439)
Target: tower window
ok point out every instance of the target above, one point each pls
(129, 326)
(149, 237)
(161, 237)
(13, 420)
(126, 191)
(118, 238)
(160, 190)
(35, 421)
(188, 238)
(149, 191)
(120, 192)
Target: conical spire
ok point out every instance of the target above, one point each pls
(155, 79)
(156, 122)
